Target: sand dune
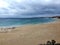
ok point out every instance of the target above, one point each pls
(31, 34)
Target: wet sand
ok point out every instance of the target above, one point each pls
(31, 34)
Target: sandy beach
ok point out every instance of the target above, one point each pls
(31, 34)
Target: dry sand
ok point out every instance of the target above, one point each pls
(31, 34)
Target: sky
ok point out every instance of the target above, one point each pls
(29, 8)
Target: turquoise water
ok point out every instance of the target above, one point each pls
(23, 21)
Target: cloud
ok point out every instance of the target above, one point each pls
(30, 8)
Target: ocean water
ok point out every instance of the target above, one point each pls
(23, 21)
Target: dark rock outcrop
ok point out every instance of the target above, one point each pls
(56, 17)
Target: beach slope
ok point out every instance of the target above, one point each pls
(31, 34)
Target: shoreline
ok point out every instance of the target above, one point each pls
(12, 28)
(31, 34)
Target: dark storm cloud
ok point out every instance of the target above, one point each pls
(31, 8)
